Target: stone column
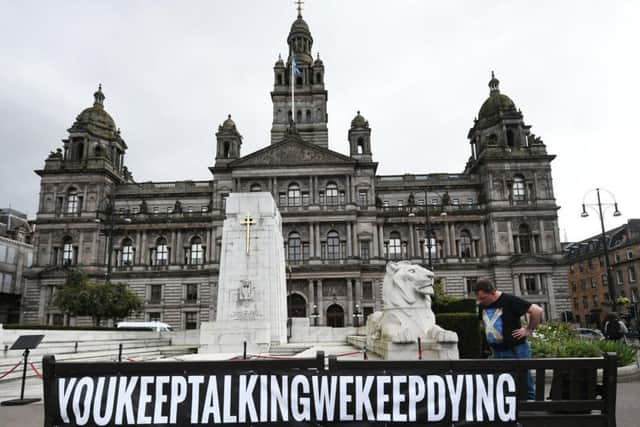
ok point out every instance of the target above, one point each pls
(538, 283)
(349, 241)
(446, 241)
(354, 237)
(143, 248)
(542, 248)
(214, 245)
(474, 243)
(376, 245)
(318, 252)
(315, 190)
(483, 240)
(359, 298)
(412, 236)
(349, 310)
(320, 303)
(510, 234)
(347, 189)
(312, 241)
(452, 236)
(381, 240)
(516, 284)
(179, 248)
(310, 300)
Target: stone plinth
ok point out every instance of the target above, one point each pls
(431, 350)
(252, 282)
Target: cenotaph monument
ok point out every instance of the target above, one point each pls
(252, 290)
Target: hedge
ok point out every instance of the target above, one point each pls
(462, 305)
(467, 326)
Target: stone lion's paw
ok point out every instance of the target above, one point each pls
(446, 336)
(404, 335)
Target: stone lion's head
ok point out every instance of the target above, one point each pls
(406, 283)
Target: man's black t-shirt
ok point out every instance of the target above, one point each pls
(501, 318)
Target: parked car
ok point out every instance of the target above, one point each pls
(589, 334)
(145, 326)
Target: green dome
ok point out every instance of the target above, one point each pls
(495, 103)
(95, 119)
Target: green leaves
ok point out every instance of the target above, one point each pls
(81, 297)
(560, 340)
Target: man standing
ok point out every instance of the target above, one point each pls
(500, 314)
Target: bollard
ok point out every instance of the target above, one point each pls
(244, 351)
(6, 348)
(75, 347)
(120, 352)
(419, 349)
(364, 353)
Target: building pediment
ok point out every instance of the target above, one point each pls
(292, 151)
(530, 260)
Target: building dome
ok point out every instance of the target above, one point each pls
(496, 102)
(228, 124)
(359, 122)
(95, 119)
(300, 26)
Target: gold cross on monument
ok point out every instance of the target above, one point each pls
(248, 221)
(299, 4)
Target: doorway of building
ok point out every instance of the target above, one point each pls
(296, 306)
(335, 316)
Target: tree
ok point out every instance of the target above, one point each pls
(81, 297)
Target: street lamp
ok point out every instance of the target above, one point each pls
(315, 315)
(357, 315)
(616, 212)
(106, 210)
(428, 230)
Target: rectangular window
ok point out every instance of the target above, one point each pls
(585, 303)
(471, 283)
(169, 209)
(583, 285)
(305, 199)
(619, 277)
(530, 282)
(632, 275)
(399, 203)
(593, 283)
(190, 320)
(72, 203)
(127, 255)
(192, 292)
(385, 204)
(321, 198)
(156, 209)
(67, 254)
(363, 198)
(629, 255)
(364, 251)
(470, 201)
(305, 251)
(367, 290)
(456, 202)
(204, 209)
(434, 201)
(595, 300)
(420, 202)
(574, 286)
(223, 201)
(616, 258)
(155, 294)
(153, 316)
(282, 199)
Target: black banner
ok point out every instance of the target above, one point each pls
(229, 393)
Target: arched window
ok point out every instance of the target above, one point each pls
(360, 145)
(294, 247)
(196, 251)
(162, 252)
(279, 79)
(255, 188)
(518, 189)
(227, 150)
(126, 256)
(395, 245)
(68, 254)
(465, 244)
(524, 239)
(72, 201)
(308, 116)
(318, 78)
(430, 245)
(333, 245)
(332, 193)
(294, 197)
(299, 112)
(79, 151)
(510, 138)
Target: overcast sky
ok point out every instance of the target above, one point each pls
(418, 70)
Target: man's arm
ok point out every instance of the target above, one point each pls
(535, 317)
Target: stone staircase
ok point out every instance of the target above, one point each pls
(96, 350)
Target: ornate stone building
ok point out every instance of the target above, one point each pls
(342, 221)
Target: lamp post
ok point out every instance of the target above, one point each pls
(357, 315)
(106, 214)
(605, 245)
(428, 230)
(315, 315)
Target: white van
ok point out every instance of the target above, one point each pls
(149, 326)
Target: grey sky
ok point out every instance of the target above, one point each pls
(418, 71)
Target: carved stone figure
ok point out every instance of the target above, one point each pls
(407, 315)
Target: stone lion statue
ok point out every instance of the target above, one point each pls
(407, 314)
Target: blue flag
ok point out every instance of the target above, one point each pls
(297, 71)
